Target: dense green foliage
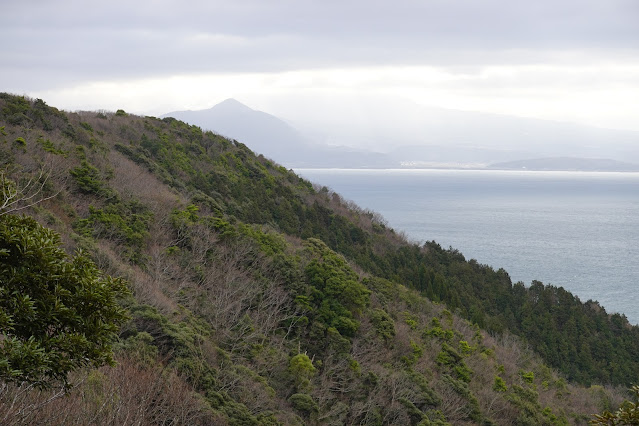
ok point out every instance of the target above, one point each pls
(580, 339)
(57, 314)
(277, 302)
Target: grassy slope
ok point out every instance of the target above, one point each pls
(260, 299)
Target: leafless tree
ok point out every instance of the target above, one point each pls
(129, 394)
(15, 197)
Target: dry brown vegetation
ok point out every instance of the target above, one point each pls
(220, 309)
(129, 394)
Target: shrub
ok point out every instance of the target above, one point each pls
(304, 403)
(126, 224)
(57, 313)
(48, 146)
(465, 348)
(87, 177)
(302, 369)
(528, 376)
(448, 355)
(383, 323)
(499, 385)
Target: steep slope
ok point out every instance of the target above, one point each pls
(259, 299)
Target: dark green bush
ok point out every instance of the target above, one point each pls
(383, 323)
(124, 223)
(88, 179)
(57, 313)
(304, 404)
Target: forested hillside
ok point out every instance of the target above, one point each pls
(259, 298)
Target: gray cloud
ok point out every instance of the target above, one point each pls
(48, 44)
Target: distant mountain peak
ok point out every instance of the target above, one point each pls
(232, 105)
(275, 138)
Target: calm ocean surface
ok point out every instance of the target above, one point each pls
(579, 230)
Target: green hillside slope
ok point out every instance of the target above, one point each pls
(259, 298)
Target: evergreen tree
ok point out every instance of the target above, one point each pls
(57, 313)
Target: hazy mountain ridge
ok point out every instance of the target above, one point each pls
(266, 133)
(400, 134)
(276, 139)
(262, 299)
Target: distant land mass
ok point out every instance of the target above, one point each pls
(406, 135)
(264, 133)
(276, 139)
(567, 164)
(411, 132)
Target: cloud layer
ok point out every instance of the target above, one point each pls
(545, 58)
(51, 43)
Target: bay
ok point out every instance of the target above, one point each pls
(578, 230)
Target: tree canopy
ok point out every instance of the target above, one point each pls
(57, 313)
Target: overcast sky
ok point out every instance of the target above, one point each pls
(573, 60)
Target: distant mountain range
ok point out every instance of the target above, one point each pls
(274, 138)
(409, 135)
(262, 132)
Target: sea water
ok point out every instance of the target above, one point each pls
(578, 230)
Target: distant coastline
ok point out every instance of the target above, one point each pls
(568, 164)
(552, 164)
(575, 229)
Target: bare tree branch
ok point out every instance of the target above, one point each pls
(15, 197)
